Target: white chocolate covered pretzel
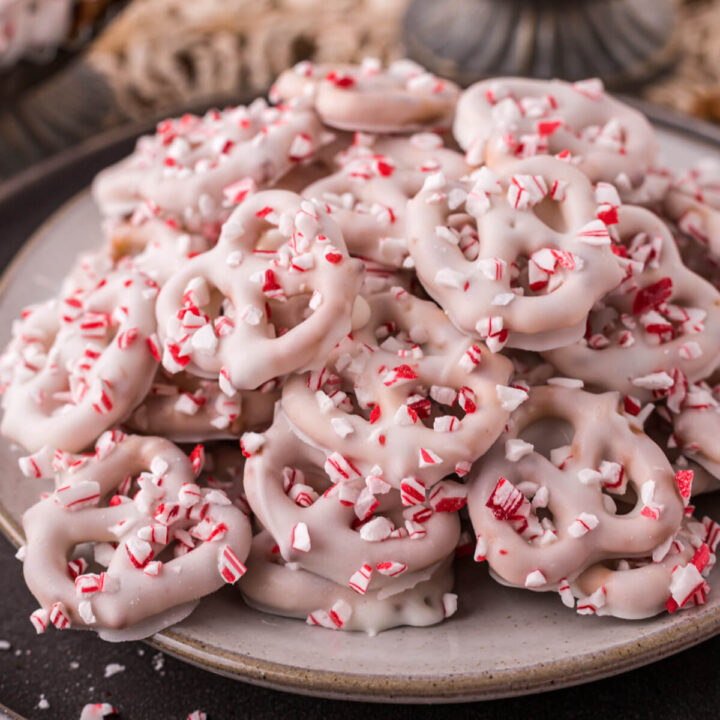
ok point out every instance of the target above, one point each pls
(195, 169)
(697, 428)
(325, 517)
(500, 120)
(271, 586)
(693, 202)
(184, 408)
(661, 320)
(407, 392)
(404, 97)
(146, 584)
(520, 258)
(695, 255)
(369, 195)
(79, 364)
(606, 492)
(673, 578)
(274, 295)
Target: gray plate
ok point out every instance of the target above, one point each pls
(502, 641)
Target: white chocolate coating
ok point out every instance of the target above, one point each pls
(78, 365)
(270, 586)
(500, 120)
(693, 203)
(369, 195)
(129, 595)
(237, 269)
(698, 430)
(629, 318)
(190, 166)
(474, 289)
(413, 338)
(562, 551)
(404, 97)
(337, 548)
(223, 469)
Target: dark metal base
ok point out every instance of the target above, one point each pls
(624, 42)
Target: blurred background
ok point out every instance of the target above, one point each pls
(70, 69)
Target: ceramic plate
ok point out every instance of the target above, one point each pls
(501, 642)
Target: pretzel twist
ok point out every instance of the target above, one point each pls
(661, 319)
(403, 97)
(215, 314)
(425, 398)
(79, 364)
(499, 121)
(693, 202)
(195, 169)
(369, 195)
(541, 258)
(321, 534)
(136, 594)
(583, 526)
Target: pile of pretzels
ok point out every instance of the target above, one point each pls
(329, 343)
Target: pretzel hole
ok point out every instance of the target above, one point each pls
(284, 315)
(538, 522)
(620, 564)
(617, 504)
(170, 551)
(128, 486)
(544, 513)
(665, 323)
(85, 551)
(269, 239)
(218, 304)
(223, 467)
(548, 434)
(605, 321)
(551, 213)
(315, 477)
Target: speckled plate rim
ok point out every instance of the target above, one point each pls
(697, 625)
(7, 714)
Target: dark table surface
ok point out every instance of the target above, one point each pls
(68, 669)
